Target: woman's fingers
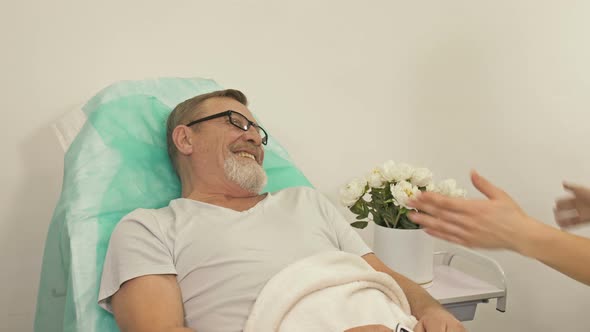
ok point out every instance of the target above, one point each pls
(451, 228)
(565, 204)
(568, 220)
(430, 203)
(486, 187)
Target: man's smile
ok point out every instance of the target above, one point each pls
(246, 155)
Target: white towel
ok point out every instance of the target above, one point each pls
(330, 291)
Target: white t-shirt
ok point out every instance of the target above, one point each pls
(222, 258)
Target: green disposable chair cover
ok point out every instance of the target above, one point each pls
(117, 163)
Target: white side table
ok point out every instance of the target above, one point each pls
(459, 292)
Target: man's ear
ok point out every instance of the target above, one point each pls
(182, 137)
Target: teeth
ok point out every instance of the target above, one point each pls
(246, 154)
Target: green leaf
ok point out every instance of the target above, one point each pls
(388, 190)
(359, 224)
(389, 218)
(378, 219)
(357, 208)
(366, 208)
(405, 223)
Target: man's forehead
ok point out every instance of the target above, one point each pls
(222, 104)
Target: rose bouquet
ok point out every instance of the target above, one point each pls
(384, 193)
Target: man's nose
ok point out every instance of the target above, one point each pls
(253, 135)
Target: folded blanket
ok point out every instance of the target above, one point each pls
(330, 291)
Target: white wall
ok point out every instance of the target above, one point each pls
(501, 86)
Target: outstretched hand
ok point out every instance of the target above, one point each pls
(575, 209)
(498, 222)
(495, 222)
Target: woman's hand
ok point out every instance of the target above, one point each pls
(494, 223)
(573, 210)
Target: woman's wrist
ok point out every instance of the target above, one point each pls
(536, 238)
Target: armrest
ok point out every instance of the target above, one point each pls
(479, 259)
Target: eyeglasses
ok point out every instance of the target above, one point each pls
(237, 120)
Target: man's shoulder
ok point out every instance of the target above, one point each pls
(143, 213)
(148, 217)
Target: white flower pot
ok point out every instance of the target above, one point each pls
(409, 252)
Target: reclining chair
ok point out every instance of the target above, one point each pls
(116, 161)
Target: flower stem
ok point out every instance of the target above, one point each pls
(399, 213)
(386, 223)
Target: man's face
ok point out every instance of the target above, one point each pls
(226, 150)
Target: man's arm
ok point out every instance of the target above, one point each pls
(150, 303)
(431, 315)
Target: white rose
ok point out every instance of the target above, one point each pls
(446, 187)
(402, 192)
(393, 172)
(421, 177)
(375, 178)
(459, 193)
(350, 193)
(449, 188)
(431, 187)
(388, 169)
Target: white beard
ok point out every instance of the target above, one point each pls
(247, 174)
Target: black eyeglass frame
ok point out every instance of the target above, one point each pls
(229, 113)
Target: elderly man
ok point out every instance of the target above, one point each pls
(200, 263)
